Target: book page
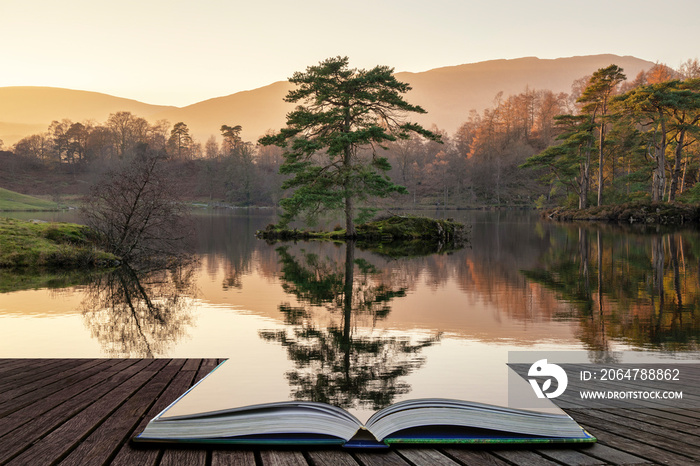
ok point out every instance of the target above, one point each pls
(233, 384)
(239, 383)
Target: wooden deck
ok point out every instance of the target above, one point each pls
(84, 411)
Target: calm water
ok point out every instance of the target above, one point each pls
(359, 329)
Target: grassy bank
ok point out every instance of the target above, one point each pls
(42, 244)
(16, 202)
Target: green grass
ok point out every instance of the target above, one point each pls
(12, 201)
(41, 244)
(393, 228)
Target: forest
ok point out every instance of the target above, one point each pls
(612, 139)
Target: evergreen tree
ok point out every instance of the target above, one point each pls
(569, 163)
(331, 138)
(180, 140)
(652, 107)
(595, 98)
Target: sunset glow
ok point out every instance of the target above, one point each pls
(178, 53)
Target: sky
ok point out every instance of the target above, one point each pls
(181, 52)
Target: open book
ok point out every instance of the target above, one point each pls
(199, 417)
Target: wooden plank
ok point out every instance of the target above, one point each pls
(191, 365)
(48, 388)
(676, 415)
(232, 458)
(32, 369)
(88, 421)
(103, 443)
(184, 456)
(282, 458)
(69, 394)
(570, 456)
(635, 447)
(426, 456)
(692, 414)
(6, 365)
(70, 434)
(25, 368)
(19, 439)
(26, 393)
(665, 427)
(331, 458)
(613, 456)
(474, 456)
(642, 434)
(523, 457)
(388, 458)
(205, 368)
(196, 369)
(128, 454)
(30, 376)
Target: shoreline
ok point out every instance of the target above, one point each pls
(36, 244)
(637, 213)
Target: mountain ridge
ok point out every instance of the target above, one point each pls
(448, 94)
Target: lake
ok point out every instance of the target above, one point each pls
(361, 329)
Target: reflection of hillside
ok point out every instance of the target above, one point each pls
(640, 289)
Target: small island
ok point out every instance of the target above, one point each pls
(387, 229)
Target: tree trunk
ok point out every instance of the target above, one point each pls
(583, 189)
(347, 305)
(350, 231)
(585, 179)
(659, 181)
(676, 173)
(600, 162)
(348, 185)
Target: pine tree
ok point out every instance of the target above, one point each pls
(331, 138)
(595, 98)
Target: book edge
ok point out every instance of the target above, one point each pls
(157, 416)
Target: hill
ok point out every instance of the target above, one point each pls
(12, 201)
(448, 94)
(257, 111)
(26, 110)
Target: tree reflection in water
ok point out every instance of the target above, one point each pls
(140, 313)
(342, 363)
(641, 289)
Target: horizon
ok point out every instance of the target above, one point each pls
(263, 85)
(176, 53)
(30, 109)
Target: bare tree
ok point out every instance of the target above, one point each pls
(127, 131)
(136, 210)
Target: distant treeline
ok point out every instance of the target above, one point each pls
(533, 148)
